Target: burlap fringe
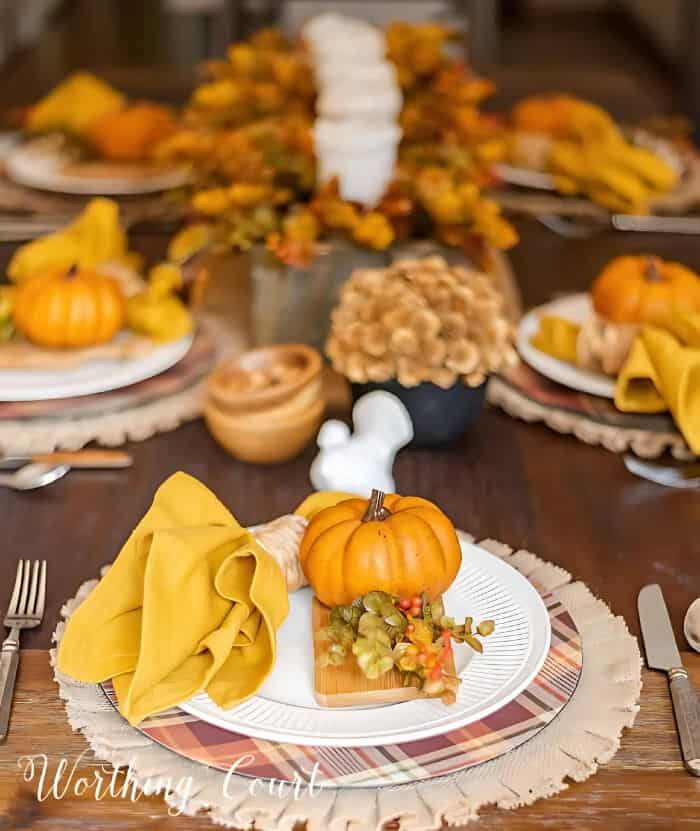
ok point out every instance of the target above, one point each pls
(644, 443)
(110, 429)
(585, 735)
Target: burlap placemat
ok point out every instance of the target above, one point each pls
(525, 394)
(153, 209)
(586, 734)
(682, 200)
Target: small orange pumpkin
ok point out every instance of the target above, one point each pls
(645, 289)
(130, 134)
(402, 545)
(69, 308)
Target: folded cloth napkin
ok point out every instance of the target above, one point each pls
(191, 603)
(557, 337)
(663, 373)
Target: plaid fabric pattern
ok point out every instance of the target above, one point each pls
(393, 764)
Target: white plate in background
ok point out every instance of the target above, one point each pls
(577, 308)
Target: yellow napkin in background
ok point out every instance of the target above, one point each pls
(191, 603)
(661, 373)
(93, 238)
(557, 337)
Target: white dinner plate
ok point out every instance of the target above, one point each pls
(285, 709)
(92, 377)
(574, 307)
(44, 164)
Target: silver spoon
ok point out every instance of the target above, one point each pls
(691, 625)
(685, 476)
(32, 476)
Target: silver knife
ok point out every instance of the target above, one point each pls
(662, 653)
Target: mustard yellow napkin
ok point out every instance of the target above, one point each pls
(93, 238)
(557, 337)
(191, 603)
(663, 373)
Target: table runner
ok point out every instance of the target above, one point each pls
(585, 735)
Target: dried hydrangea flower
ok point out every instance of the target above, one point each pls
(420, 320)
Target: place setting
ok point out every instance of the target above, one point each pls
(615, 366)
(286, 545)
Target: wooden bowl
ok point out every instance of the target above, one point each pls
(290, 410)
(224, 384)
(262, 441)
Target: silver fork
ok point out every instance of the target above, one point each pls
(25, 611)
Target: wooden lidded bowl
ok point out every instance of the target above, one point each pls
(264, 442)
(264, 406)
(229, 385)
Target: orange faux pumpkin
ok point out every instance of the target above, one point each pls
(403, 545)
(69, 308)
(645, 289)
(130, 134)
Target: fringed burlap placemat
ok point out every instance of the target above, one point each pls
(684, 199)
(21, 201)
(525, 394)
(586, 734)
(134, 413)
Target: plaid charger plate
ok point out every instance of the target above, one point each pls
(393, 764)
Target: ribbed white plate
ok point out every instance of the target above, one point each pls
(576, 308)
(285, 709)
(90, 378)
(41, 164)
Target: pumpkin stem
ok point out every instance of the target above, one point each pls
(72, 271)
(651, 271)
(375, 509)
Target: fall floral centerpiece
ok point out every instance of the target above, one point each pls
(428, 332)
(247, 135)
(418, 321)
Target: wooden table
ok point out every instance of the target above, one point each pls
(522, 484)
(644, 787)
(519, 483)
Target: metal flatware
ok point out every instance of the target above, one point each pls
(568, 228)
(655, 224)
(684, 476)
(30, 477)
(586, 227)
(524, 177)
(25, 611)
(93, 459)
(662, 653)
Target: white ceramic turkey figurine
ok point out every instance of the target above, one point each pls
(363, 460)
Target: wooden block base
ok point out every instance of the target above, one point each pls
(346, 685)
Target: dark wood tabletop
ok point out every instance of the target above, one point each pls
(519, 483)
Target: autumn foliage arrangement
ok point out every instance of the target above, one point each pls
(247, 136)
